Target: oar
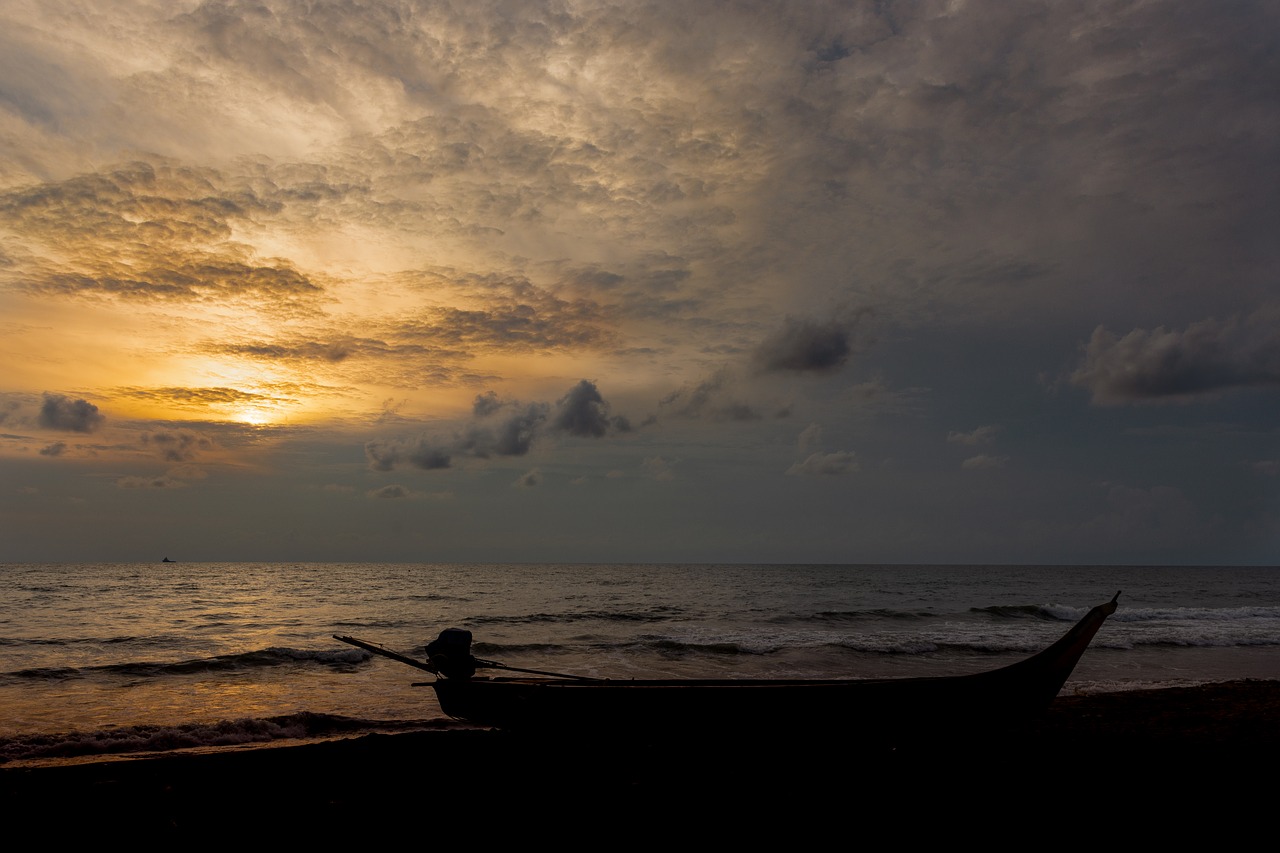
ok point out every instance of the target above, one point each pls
(379, 650)
(480, 664)
(493, 664)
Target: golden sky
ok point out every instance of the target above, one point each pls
(840, 281)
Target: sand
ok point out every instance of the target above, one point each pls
(1164, 758)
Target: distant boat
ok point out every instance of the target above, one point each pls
(167, 560)
(879, 708)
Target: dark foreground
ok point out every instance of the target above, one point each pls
(1163, 758)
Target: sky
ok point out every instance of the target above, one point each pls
(696, 281)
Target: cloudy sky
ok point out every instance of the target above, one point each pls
(640, 281)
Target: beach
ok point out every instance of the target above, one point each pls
(213, 702)
(1135, 750)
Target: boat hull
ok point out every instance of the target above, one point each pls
(895, 707)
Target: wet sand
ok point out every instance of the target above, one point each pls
(1169, 757)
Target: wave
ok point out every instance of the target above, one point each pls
(942, 642)
(269, 657)
(127, 740)
(656, 614)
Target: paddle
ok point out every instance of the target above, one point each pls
(431, 668)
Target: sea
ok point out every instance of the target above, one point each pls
(120, 660)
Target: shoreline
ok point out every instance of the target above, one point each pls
(1209, 738)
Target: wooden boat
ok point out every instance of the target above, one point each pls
(892, 707)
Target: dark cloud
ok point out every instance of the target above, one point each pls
(806, 345)
(1161, 365)
(417, 453)
(486, 404)
(56, 449)
(62, 413)
(502, 428)
(582, 412)
(512, 437)
(714, 398)
(179, 445)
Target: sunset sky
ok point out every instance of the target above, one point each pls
(640, 281)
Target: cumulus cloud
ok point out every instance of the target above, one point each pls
(825, 465)
(528, 479)
(486, 404)
(980, 435)
(178, 445)
(743, 389)
(62, 413)
(502, 428)
(716, 398)
(1177, 365)
(56, 449)
(511, 435)
(583, 412)
(418, 453)
(804, 345)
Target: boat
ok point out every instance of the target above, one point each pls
(895, 709)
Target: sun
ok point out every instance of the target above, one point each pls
(254, 416)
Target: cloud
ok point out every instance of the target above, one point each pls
(486, 404)
(745, 389)
(528, 479)
(1169, 365)
(151, 233)
(715, 398)
(502, 428)
(980, 435)
(806, 345)
(810, 437)
(983, 461)
(391, 492)
(512, 436)
(825, 465)
(418, 453)
(180, 445)
(499, 312)
(56, 449)
(62, 413)
(658, 468)
(162, 482)
(584, 413)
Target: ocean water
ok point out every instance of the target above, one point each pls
(119, 659)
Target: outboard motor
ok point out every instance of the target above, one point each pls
(450, 654)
